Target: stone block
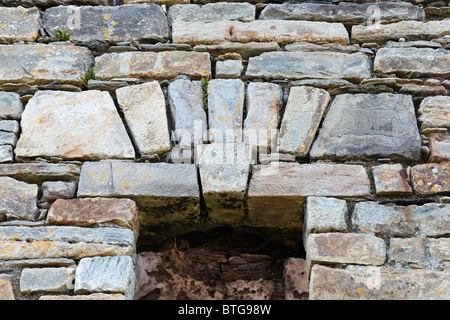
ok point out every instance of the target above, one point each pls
(431, 178)
(325, 215)
(39, 172)
(6, 153)
(229, 69)
(246, 50)
(434, 112)
(295, 279)
(6, 287)
(18, 200)
(212, 12)
(19, 24)
(10, 106)
(52, 190)
(413, 250)
(390, 180)
(47, 280)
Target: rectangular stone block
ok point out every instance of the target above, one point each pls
(371, 283)
(6, 153)
(44, 63)
(431, 178)
(325, 215)
(439, 151)
(302, 116)
(38, 172)
(52, 190)
(18, 200)
(109, 24)
(351, 248)
(300, 65)
(410, 30)
(246, 50)
(8, 138)
(9, 126)
(439, 249)
(47, 280)
(166, 194)
(413, 62)
(390, 180)
(413, 250)
(212, 12)
(153, 65)
(434, 112)
(10, 106)
(431, 219)
(280, 31)
(19, 24)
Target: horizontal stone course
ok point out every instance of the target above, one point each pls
(38, 172)
(212, 12)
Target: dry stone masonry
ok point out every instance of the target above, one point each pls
(206, 149)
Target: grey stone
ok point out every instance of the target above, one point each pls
(439, 249)
(187, 111)
(47, 280)
(6, 153)
(8, 138)
(225, 108)
(301, 65)
(432, 219)
(73, 125)
(302, 116)
(18, 200)
(19, 24)
(440, 151)
(44, 63)
(369, 126)
(413, 62)
(325, 215)
(39, 263)
(10, 106)
(211, 12)
(229, 69)
(412, 250)
(112, 24)
(246, 50)
(264, 103)
(330, 47)
(416, 44)
(105, 275)
(144, 109)
(158, 47)
(9, 126)
(38, 172)
(52, 190)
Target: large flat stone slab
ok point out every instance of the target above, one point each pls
(44, 63)
(144, 109)
(109, 24)
(413, 62)
(280, 31)
(302, 65)
(153, 65)
(165, 193)
(19, 24)
(38, 172)
(212, 12)
(73, 125)
(431, 178)
(302, 116)
(367, 126)
(18, 200)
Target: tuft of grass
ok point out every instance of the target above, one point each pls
(90, 75)
(204, 83)
(62, 34)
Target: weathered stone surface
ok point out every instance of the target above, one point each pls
(325, 215)
(390, 180)
(280, 31)
(435, 112)
(44, 63)
(409, 30)
(412, 250)
(224, 170)
(51, 3)
(430, 178)
(413, 62)
(52, 190)
(187, 111)
(9, 126)
(422, 91)
(352, 248)
(226, 99)
(343, 12)
(301, 65)
(105, 275)
(19, 24)
(439, 151)
(303, 114)
(8, 138)
(6, 153)
(18, 199)
(152, 65)
(369, 126)
(94, 212)
(6, 287)
(93, 296)
(166, 193)
(38, 172)
(144, 108)
(39, 263)
(263, 104)
(295, 279)
(330, 47)
(229, 69)
(246, 50)
(439, 249)
(112, 24)
(250, 289)
(277, 191)
(416, 44)
(373, 283)
(10, 106)
(431, 219)
(167, 3)
(212, 12)
(47, 280)
(73, 125)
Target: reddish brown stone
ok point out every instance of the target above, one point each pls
(390, 180)
(431, 178)
(93, 212)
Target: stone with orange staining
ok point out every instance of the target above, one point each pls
(6, 287)
(412, 250)
(47, 280)
(434, 113)
(94, 212)
(439, 150)
(18, 200)
(351, 248)
(371, 283)
(39, 172)
(78, 125)
(148, 23)
(391, 180)
(19, 24)
(431, 178)
(304, 111)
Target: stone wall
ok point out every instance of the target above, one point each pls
(170, 149)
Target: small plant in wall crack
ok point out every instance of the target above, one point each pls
(204, 83)
(90, 75)
(62, 34)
